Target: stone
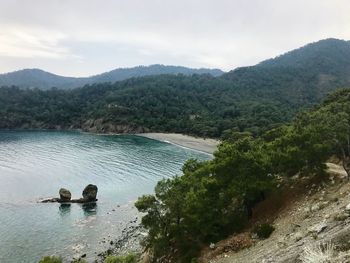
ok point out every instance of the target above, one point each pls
(347, 208)
(315, 207)
(65, 195)
(90, 193)
(298, 236)
(318, 228)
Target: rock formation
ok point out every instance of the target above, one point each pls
(90, 193)
(65, 195)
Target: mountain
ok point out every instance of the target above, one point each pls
(325, 55)
(252, 99)
(304, 75)
(36, 78)
(140, 71)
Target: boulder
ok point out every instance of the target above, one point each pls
(318, 228)
(90, 193)
(65, 195)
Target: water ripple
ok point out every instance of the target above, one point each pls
(34, 165)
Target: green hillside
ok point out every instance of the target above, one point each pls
(252, 99)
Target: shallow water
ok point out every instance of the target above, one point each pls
(35, 165)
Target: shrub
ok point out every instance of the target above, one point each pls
(263, 230)
(50, 259)
(130, 258)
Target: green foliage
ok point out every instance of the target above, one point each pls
(263, 231)
(214, 199)
(198, 105)
(130, 258)
(250, 99)
(210, 201)
(51, 259)
(79, 261)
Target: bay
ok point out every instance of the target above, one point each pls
(36, 164)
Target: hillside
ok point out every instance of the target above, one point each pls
(272, 186)
(317, 216)
(36, 78)
(304, 75)
(253, 99)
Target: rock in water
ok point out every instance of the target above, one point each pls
(65, 195)
(90, 193)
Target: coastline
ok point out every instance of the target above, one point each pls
(208, 146)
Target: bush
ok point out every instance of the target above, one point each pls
(50, 259)
(130, 258)
(263, 230)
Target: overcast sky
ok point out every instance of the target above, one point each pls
(85, 37)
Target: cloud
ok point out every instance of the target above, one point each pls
(82, 37)
(30, 42)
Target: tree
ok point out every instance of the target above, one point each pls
(332, 124)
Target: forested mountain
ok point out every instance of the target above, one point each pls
(252, 99)
(301, 76)
(326, 54)
(36, 78)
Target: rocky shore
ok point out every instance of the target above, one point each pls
(128, 242)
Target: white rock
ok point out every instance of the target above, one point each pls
(298, 236)
(347, 208)
(318, 228)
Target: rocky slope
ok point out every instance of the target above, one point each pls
(314, 227)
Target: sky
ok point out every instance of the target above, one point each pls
(87, 37)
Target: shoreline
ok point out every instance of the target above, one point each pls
(208, 146)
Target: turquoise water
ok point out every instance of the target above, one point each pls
(34, 165)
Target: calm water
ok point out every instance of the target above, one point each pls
(35, 165)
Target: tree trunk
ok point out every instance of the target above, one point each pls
(346, 166)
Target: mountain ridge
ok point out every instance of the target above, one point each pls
(38, 78)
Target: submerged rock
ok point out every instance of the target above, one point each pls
(65, 195)
(90, 193)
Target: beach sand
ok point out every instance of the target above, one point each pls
(199, 144)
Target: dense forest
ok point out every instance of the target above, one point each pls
(214, 199)
(253, 99)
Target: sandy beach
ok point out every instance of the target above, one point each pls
(199, 144)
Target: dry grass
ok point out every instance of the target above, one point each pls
(319, 253)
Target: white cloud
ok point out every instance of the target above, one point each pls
(82, 37)
(29, 42)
